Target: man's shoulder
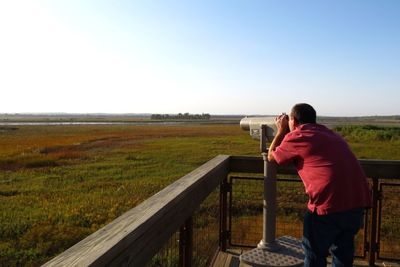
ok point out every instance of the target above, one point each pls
(314, 129)
(307, 129)
(312, 132)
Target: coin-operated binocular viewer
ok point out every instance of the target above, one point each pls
(286, 250)
(260, 128)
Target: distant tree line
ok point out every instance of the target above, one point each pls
(181, 116)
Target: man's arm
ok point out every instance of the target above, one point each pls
(282, 128)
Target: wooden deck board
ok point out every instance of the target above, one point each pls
(229, 259)
(221, 259)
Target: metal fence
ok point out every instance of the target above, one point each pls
(245, 214)
(197, 240)
(389, 221)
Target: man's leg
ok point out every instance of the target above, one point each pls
(318, 235)
(343, 246)
(343, 250)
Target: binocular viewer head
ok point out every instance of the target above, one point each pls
(254, 126)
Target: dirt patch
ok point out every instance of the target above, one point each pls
(10, 193)
(10, 165)
(8, 129)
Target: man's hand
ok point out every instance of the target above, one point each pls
(282, 124)
(282, 128)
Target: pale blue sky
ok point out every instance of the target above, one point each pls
(218, 57)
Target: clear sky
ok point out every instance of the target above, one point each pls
(209, 56)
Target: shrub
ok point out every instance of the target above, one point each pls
(368, 133)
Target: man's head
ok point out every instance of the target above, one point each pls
(302, 113)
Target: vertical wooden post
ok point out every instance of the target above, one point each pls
(186, 243)
(366, 232)
(189, 242)
(223, 209)
(374, 213)
(182, 246)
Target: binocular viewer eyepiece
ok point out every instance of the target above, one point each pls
(254, 126)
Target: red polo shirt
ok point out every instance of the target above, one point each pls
(332, 176)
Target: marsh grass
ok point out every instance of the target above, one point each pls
(58, 184)
(372, 142)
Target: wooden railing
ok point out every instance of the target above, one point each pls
(135, 237)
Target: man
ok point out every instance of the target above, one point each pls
(333, 179)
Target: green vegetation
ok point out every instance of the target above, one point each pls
(60, 183)
(368, 133)
(369, 141)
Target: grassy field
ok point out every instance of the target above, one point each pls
(60, 183)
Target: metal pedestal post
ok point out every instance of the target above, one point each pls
(284, 251)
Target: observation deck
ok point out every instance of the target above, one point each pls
(211, 215)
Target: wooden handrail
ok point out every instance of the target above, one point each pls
(134, 237)
(384, 169)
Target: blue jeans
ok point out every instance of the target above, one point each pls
(334, 232)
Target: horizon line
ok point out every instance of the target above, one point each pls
(148, 114)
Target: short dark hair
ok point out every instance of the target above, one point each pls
(304, 113)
